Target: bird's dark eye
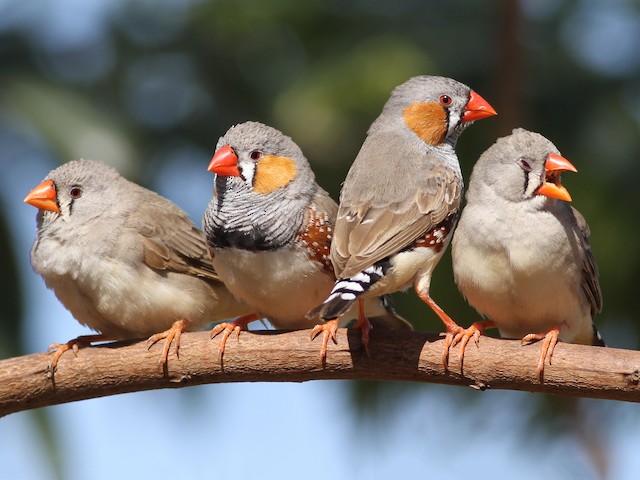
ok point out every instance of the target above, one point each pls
(445, 100)
(75, 192)
(525, 164)
(255, 155)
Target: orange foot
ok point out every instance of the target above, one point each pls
(474, 331)
(228, 328)
(550, 339)
(173, 334)
(329, 330)
(75, 344)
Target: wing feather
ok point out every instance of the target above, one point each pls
(173, 242)
(381, 214)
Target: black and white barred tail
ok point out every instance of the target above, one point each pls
(347, 290)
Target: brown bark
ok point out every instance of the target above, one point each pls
(98, 371)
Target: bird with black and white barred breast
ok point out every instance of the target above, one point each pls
(521, 253)
(270, 226)
(400, 201)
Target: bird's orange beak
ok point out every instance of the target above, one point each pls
(225, 162)
(553, 168)
(477, 108)
(43, 197)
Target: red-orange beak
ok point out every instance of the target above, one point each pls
(553, 168)
(225, 162)
(477, 108)
(43, 197)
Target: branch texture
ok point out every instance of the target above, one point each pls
(270, 356)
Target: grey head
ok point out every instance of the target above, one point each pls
(262, 189)
(79, 192)
(522, 167)
(437, 109)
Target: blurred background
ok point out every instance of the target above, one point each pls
(148, 86)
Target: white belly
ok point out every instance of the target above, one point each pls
(413, 267)
(122, 302)
(520, 292)
(282, 285)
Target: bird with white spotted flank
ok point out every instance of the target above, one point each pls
(521, 253)
(270, 227)
(123, 260)
(401, 198)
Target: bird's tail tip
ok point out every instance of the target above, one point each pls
(598, 341)
(388, 318)
(330, 309)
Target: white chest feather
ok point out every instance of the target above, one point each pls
(128, 299)
(282, 285)
(524, 283)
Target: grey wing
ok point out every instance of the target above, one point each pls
(381, 214)
(590, 283)
(172, 242)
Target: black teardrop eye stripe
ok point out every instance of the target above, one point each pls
(244, 179)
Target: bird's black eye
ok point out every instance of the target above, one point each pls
(525, 164)
(255, 155)
(445, 100)
(75, 192)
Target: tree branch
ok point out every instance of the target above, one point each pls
(270, 356)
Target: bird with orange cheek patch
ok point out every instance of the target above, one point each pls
(521, 254)
(401, 199)
(270, 226)
(123, 260)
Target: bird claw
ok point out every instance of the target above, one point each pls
(463, 335)
(75, 344)
(550, 338)
(171, 335)
(227, 328)
(330, 330)
(449, 338)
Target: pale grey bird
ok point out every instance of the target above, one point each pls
(401, 198)
(123, 260)
(521, 253)
(270, 226)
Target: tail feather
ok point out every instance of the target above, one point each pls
(387, 318)
(347, 290)
(597, 338)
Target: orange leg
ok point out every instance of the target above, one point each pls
(451, 327)
(170, 335)
(329, 329)
(550, 338)
(75, 344)
(239, 324)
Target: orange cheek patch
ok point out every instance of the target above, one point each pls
(428, 120)
(273, 173)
